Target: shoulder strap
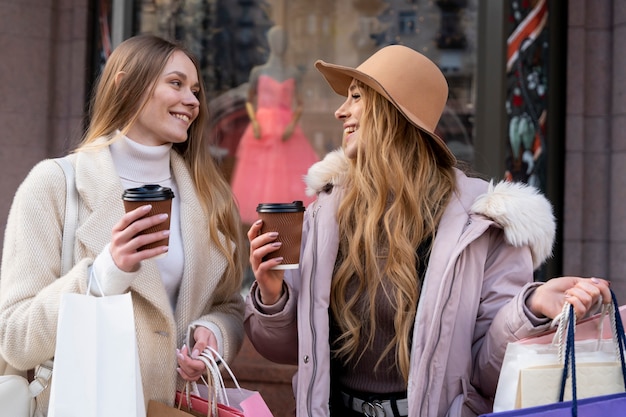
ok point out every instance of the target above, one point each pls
(71, 215)
(44, 371)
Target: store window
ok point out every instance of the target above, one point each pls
(230, 38)
(503, 132)
(527, 92)
(102, 34)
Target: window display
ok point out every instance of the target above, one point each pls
(230, 38)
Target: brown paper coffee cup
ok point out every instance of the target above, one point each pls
(161, 200)
(286, 219)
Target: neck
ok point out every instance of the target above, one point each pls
(141, 164)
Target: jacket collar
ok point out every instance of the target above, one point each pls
(520, 210)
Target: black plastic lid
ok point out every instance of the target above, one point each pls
(295, 207)
(149, 192)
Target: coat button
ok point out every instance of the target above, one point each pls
(306, 358)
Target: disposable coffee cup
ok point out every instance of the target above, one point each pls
(286, 219)
(161, 200)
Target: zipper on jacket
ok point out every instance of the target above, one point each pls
(425, 391)
(464, 241)
(309, 402)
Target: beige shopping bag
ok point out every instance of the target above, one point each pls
(541, 384)
(531, 369)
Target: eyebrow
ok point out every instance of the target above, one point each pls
(353, 87)
(181, 75)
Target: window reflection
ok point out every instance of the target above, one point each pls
(230, 38)
(102, 35)
(527, 88)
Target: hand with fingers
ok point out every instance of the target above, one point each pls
(583, 293)
(127, 239)
(190, 367)
(270, 281)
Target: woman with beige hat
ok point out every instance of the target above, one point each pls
(413, 276)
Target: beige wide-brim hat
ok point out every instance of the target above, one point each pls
(409, 80)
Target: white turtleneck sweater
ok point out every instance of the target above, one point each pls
(138, 165)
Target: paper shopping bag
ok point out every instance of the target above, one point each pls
(192, 404)
(158, 409)
(96, 364)
(251, 402)
(531, 371)
(541, 384)
(231, 402)
(605, 406)
(241, 403)
(199, 406)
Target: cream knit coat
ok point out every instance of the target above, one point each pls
(31, 289)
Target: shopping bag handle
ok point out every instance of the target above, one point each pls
(220, 360)
(570, 355)
(208, 356)
(94, 278)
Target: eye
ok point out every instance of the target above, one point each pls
(176, 83)
(196, 93)
(356, 96)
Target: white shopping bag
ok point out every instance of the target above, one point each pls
(532, 368)
(96, 363)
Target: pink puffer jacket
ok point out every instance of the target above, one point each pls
(490, 240)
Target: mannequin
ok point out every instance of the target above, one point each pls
(273, 154)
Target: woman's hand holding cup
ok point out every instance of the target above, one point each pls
(269, 280)
(143, 232)
(128, 241)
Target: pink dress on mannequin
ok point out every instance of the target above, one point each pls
(268, 169)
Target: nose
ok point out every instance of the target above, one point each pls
(191, 99)
(342, 112)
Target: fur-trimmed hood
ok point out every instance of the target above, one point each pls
(524, 214)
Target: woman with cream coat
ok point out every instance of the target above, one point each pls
(475, 290)
(146, 127)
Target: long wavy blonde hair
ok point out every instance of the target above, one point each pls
(117, 105)
(395, 197)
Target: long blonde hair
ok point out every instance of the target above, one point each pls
(117, 105)
(394, 200)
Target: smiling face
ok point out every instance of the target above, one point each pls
(350, 114)
(172, 107)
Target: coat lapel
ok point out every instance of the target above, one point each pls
(202, 259)
(100, 191)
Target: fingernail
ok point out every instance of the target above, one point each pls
(258, 222)
(147, 207)
(273, 234)
(595, 280)
(195, 354)
(276, 244)
(163, 216)
(165, 233)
